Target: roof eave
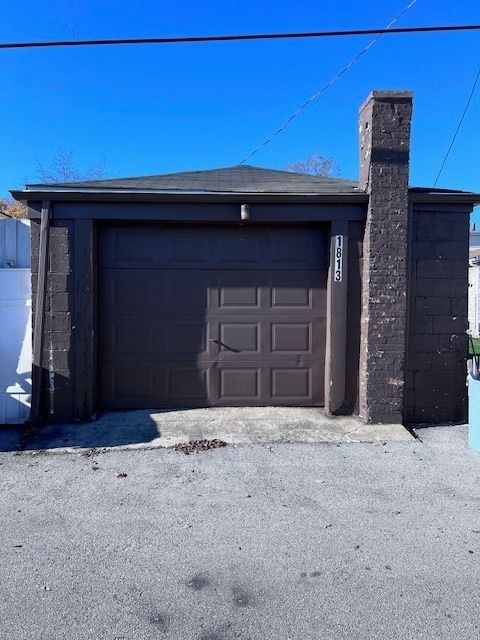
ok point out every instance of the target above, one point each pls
(126, 195)
(462, 197)
(134, 195)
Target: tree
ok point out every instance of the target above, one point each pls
(63, 169)
(315, 165)
(13, 208)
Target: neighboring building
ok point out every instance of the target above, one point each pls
(248, 286)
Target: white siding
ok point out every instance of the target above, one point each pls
(15, 345)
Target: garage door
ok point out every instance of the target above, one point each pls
(204, 316)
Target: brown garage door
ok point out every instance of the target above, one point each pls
(202, 316)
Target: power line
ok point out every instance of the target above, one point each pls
(236, 37)
(460, 122)
(330, 83)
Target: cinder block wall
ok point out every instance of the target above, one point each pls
(437, 344)
(57, 357)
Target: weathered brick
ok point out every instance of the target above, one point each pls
(452, 287)
(459, 342)
(460, 306)
(429, 343)
(59, 263)
(58, 302)
(447, 361)
(420, 361)
(453, 250)
(58, 282)
(434, 268)
(384, 150)
(432, 306)
(61, 340)
(449, 324)
(421, 324)
(422, 287)
(57, 321)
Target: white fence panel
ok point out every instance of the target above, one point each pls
(15, 345)
(14, 243)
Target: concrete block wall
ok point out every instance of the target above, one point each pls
(437, 344)
(57, 357)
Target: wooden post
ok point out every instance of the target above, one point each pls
(336, 343)
(38, 330)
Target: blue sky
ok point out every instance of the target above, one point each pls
(155, 109)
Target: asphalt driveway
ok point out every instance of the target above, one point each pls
(280, 542)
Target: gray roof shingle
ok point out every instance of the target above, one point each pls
(238, 179)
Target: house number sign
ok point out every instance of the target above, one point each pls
(338, 277)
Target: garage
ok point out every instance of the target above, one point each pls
(248, 286)
(227, 315)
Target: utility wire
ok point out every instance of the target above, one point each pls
(330, 83)
(460, 122)
(238, 37)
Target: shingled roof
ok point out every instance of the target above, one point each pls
(238, 179)
(226, 184)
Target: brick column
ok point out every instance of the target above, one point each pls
(384, 126)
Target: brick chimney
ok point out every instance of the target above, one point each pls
(384, 128)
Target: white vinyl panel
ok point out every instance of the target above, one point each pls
(15, 345)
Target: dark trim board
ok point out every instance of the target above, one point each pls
(201, 212)
(39, 325)
(336, 340)
(356, 198)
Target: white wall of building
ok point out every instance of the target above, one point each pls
(15, 321)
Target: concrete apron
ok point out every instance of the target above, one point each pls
(236, 425)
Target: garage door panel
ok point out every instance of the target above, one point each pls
(240, 337)
(240, 383)
(208, 317)
(186, 337)
(291, 336)
(154, 291)
(120, 388)
(154, 337)
(235, 295)
(144, 340)
(151, 385)
(185, 290)
(151, 246)
(187, 383)
(119, 289)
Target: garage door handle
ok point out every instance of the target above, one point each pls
(225, 346)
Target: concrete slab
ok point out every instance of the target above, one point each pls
(244, 425)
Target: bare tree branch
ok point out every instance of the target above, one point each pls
(63, 169)
(315, 165)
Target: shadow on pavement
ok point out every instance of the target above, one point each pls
(110, 430)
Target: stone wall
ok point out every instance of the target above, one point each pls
(57, 362)
(437, 344)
